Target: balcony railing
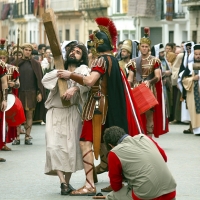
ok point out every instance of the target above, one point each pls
(64, 5)
(93, 4)
(180, 15)
(25, 7)
(190, 2)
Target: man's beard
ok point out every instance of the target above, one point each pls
(73, 60)
(196, 61)
(161, 57)
(124, 57)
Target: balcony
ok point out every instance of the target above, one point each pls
(179, 15)
(190, 3)
(86, 5)
(64, 5)
(25, 7)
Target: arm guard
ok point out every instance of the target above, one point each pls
(77, 78)
(153, 80)
(4, 94)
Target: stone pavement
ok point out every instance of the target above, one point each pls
(22, 175)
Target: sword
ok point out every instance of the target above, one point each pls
(96, 125)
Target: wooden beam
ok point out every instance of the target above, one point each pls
(49, 21)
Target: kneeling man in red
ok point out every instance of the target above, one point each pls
(140, 162)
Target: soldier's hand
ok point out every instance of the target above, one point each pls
(65, 74)
(147, 83)
(39, 98)
(3, 106)
(11, 83)
(196, 78)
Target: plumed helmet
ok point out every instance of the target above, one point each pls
(105, 38)
(3, 51)
(146, 39)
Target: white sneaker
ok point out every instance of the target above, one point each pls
(42, 123)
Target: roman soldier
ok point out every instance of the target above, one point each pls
(147, 69)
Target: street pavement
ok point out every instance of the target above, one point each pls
(22, 175)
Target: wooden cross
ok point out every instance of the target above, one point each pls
(52, 34)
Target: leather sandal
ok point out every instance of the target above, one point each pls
(2, 160)
(84, 191)
(27, 140)
(188, 131)
(66, 189)
(16, 142)
(5, 148)
(107, 189)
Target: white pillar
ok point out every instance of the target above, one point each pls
(165, 34)
(177, 34)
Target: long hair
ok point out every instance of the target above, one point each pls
(84, 59)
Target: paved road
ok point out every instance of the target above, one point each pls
(22, 175)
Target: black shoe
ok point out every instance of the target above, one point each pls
(16, 142)
(2, 160)
(66, 188)
(28, 142)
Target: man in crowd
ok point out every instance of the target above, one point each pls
(141, 163)
(146, 68)
(190, 80)
(114, 109)
(159, 52)
(31, 91)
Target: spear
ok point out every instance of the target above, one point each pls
(17, 47)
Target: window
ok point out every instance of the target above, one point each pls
(118, 6)
(60, 35)
(67, 34)
(132, 35)
(171, 36)
(194, 36)
(90, 32)
(77, 34)
(30, 36)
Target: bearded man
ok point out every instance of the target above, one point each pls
(63, 124)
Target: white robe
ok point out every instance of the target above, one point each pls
(63, 125)
(188, 84)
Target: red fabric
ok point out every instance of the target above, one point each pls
(131, 68)
(1, 129)
(114, 171)
(15, 75)
(11, 134)
(156, 65)
(42, 3)
(101, 70)
(3, 71)
(86, 134)
(131, 109)
(158, 114)
(36, 3)
(168, 196)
